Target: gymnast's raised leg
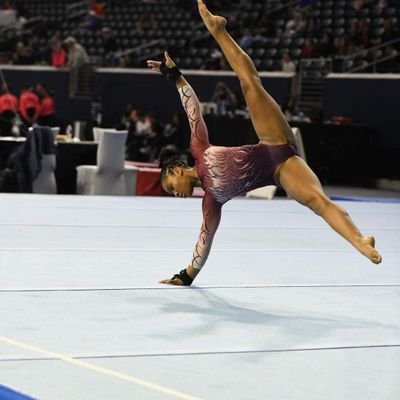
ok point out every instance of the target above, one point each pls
(294, 175)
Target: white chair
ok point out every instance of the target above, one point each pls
(110, 176)
(299, 143)
(268, 192)
(45, 182)
(97, 133)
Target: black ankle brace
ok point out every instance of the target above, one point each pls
(184, 277)
(171, 74)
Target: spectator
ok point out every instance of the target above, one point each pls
(224, 99)
(152, 140)
(173, 131)
(216, 62)
(325, 47)
(22, 54)
(355, 33)
(381, 6)
(58, 54)
(359, 4)
(29, 106)
(247, 39)
(239, 100)
(125, 120)
(363, 39)
(145, 22)
(126, 60)
(265, 27)
(110, 46)
(77, 58)
(56, 36)
(223, 64)
(342, 46)
(77, 55)
(47, 110)
(95, 15)
(8, 110)
(8, 43)
(389, 31)
(20, 23)
(142, 126)
(110, 43)
(138, 129)
(234, 25)
(7, 5)
(306, 7)
(296, 26)
(4, 59)
(98, 8)
(287, 63)
(308, 50)
(91, 22)
(291, 112)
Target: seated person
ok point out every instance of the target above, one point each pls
(224, 99)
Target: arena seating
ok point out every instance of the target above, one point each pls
(177, 27)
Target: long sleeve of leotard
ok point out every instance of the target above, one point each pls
(199, 132)
(211, 218)
(198, 144)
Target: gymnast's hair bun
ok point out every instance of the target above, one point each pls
(168, 156)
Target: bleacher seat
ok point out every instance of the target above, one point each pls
(267, 65)
(271, 53)
(181, 32)
(295, 53)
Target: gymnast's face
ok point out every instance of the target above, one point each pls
(178, 183)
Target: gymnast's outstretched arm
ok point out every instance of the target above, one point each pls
(198, 144)
(199, 132)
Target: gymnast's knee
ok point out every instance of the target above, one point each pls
(249, 82)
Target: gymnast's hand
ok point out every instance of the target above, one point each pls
(184, 278)
(172, 281)
(155, 65)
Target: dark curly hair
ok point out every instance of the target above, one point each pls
(169, 159)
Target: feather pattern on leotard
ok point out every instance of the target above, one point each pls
(230, 173)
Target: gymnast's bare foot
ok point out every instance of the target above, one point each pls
(367, 247)
(213, 23)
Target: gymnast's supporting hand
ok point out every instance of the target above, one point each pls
(181, 279)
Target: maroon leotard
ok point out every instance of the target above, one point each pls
(225, 172)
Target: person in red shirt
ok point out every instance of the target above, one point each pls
(98, 8)
(58, 54)
(7, 6)
(47, 110)
(29, 106)
(8, 110)
(308, 50)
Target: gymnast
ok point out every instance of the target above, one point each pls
(226, 172)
